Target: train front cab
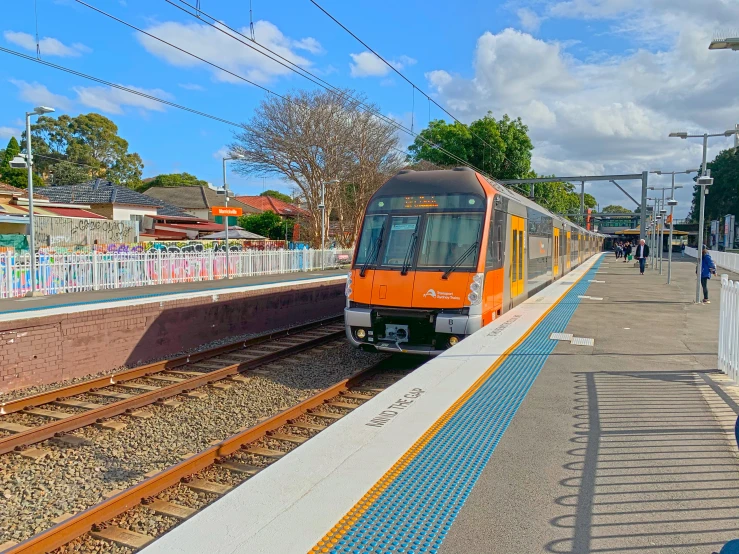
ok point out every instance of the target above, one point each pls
(429, 267)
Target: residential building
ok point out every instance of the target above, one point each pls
(268, 203)
(198, 201)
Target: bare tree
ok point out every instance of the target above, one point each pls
(310, 137)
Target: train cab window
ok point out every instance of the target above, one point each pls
(399, 239)
(368, 242)
(450, 239)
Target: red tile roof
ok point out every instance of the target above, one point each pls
(5, 189)
(267, 203)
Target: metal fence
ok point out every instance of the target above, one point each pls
(728, 330)
(77, 272)
(726, 260)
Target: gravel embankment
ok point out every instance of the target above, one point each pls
(71, 479)
(36, 389)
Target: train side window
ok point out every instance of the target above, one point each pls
(500, 243)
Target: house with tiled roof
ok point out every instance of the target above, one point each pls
(280, 207)
(198, 201)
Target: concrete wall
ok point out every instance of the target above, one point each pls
(49, 349)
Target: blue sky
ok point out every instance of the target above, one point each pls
(600, 82)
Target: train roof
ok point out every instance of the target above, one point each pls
(461, 180)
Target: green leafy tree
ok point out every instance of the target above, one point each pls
(10, 152)
(615, 209)
(268, 224)
(723, 197)
(277, 194)
(64, 172)
(173, 180)
(89, 140)
(500, 148)
(15, 177)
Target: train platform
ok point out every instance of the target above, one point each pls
(588, 419)
(40, 306)
(55, 338)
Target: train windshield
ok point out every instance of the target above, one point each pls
(400, 239)
(369, 242)
(447, 238)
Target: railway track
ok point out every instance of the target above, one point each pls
(212, 472)
(56, 413)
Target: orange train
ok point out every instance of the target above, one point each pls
(443, 253)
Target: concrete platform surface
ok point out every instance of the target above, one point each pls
(625, 446)
(21, 308)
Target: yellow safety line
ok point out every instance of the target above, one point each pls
(345, 524)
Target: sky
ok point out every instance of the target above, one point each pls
(600, 83)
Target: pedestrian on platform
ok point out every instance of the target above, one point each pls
(627, 251)
(642, 251)
(708, 268)
(682, 249)
(618, 250)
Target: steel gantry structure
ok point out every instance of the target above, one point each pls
(582, 179)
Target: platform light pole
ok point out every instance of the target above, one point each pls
(40, 110)
(322, 206)
(672, 203)
(703, 181)
(225, 193)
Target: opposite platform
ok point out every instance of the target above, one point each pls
(392, 475)
(55, 338)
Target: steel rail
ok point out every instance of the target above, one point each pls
(83, 522)
(120, 407)
(142, 371)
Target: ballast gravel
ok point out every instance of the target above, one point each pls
(37, 389)
(71, 479)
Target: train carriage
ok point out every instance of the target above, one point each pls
(443, 253)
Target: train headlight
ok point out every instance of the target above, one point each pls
(361, 333)
(475, 295)
(453, 340)
(348, 290)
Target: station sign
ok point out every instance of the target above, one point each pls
(223, 210)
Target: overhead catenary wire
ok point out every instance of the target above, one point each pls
(390, 121)
(396, 70)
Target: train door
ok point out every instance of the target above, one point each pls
(555, 255)
(579, 248)
(568, 254)
(517, 255)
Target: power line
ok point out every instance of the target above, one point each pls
(119, 87)
(396, 70)
(373, 112)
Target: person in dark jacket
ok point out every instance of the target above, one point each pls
(641, 253)
(627, 251)
(708, 268)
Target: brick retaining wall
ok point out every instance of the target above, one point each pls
(52, 348)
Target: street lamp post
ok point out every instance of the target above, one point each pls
(703, 181)
(40, 110)
(322, 206)
(225, 192)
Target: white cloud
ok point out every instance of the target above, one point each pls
(530, 21)
(38, 95)
(191, 86)
(113, 101)
(609, 113)
(48, 46)
(7, 132)
(309, 44)
(215, 46)
(366, 64)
